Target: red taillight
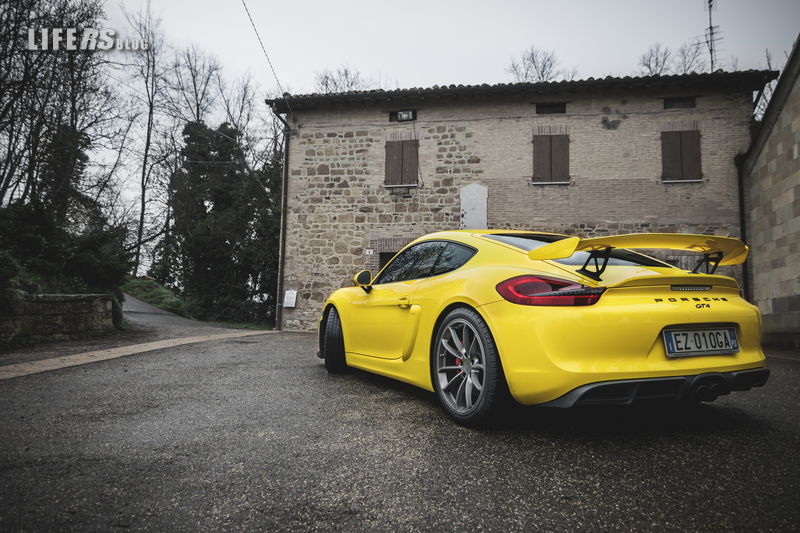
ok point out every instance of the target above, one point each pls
(539, 290)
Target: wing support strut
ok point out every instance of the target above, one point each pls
(709, 262)
(599, 262)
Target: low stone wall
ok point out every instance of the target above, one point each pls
(39, 315)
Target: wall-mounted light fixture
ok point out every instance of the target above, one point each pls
(404, 115)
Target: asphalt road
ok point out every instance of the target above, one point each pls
(252, 434)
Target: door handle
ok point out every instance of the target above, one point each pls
(404, 302)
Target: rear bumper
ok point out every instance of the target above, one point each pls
(546, 352)
(704, 387)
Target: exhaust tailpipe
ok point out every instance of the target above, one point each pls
(709, 388)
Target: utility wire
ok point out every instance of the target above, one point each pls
(263, 49)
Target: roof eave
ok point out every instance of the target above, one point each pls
(750, 80)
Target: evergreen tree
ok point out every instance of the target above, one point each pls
(222, 248)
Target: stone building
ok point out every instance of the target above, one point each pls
(772, 191)
(370, 171)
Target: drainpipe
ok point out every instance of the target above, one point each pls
(740, 159)
(282, 238)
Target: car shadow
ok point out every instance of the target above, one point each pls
(589, 422)
(629, 421)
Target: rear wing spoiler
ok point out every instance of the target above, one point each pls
(716, 250)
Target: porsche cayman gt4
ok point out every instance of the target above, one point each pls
(551, 319)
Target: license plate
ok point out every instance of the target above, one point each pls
(687, 342)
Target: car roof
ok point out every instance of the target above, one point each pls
(467, 235)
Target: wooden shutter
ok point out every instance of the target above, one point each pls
(671, 155)
(394, 163)
(690, 155)
(410, 170)
(559, 157)
(541, 158)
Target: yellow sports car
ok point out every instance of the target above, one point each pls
(551, 319)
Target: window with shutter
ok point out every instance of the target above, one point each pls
(551, 158)
(680, 156)
(559, 157)
(394, 163)
(690, 155)
(402, 163)
(410, 162)
(671, 155)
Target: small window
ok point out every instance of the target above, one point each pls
(552, 108)
(413, 263)
(680, 156)
(452, 257)
(402, 163)
(551, 158)
(680, 102)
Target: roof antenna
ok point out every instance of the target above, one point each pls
(711, 36)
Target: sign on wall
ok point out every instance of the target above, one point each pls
(290, 298)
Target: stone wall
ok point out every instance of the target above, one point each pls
(339, 209)
(773, 206)
(35, 315)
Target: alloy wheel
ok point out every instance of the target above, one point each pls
(460, 365)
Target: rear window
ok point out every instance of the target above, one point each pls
(452, 257)
(531, 241)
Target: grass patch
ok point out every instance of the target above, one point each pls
(157, 295)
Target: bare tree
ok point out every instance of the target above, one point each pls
(192, 91)
(569, 75)
(53, 104)
(239, 105)
(342, 79)
(237, 101)
(689, 58)
(537, 65)
(149, 72)
(19, 68)
(656, 61)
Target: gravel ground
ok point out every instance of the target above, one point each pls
(253, 434)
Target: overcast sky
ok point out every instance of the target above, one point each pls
(422, 43)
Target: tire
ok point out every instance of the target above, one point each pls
(333, 343)
(470, 389)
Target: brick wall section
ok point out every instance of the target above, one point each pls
(338, 206)
(40, 315)
(773, 207)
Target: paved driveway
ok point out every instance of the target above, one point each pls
(143, 323)
(252, 434)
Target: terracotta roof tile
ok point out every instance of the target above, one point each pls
(746, 79)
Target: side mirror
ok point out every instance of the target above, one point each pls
(364, 280)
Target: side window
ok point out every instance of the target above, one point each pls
(414, 263)
(453, 257)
